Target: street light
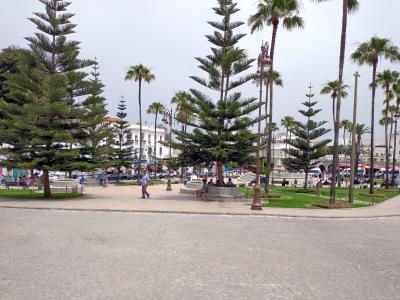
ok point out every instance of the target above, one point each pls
(167, 119)
(353, 164)
(263, 60)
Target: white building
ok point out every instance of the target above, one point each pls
(148, 145)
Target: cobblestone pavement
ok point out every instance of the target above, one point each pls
(61, 255)
(127, 198)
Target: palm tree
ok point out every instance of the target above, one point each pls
(140, 73)
(184, 114)
(332, 88)
(361, 129)
(370, 53)
(155, 108)
(347, 6)
(386, 79)
(288, 123)
(277, 80)
(271, 13)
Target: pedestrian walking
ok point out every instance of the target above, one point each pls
(145, 184)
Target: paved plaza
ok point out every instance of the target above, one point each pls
(128, 198)
(54, 254)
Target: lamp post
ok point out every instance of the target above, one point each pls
(396, 118)
(263, 60)
(353, 164)
(168, 120)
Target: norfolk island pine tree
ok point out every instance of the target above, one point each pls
(55, 120)
(123, 143)
(305, 148)
(222, 132)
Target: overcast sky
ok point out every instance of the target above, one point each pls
(167, 35)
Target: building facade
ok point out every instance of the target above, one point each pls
(148, 144)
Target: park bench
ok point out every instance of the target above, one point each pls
(17, 184)
(192, 187)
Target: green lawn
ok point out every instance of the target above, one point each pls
(288, 197)
(27, 194)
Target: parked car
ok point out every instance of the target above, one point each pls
(253, 182)
(114, 177)
(209, 174)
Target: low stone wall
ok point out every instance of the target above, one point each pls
(224, 194)
(66, 185)
(191, 187)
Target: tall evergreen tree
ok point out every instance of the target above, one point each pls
(123, 143)
(98, 133)
(221, 134)
(50, 118)
(307, 148)
(10, 58)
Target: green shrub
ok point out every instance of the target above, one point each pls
(327, 205)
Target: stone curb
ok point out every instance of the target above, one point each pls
(257, 214)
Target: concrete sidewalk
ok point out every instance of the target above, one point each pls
(128, 199)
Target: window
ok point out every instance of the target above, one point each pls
(149, 151)
(160, 151)
(149, 138)
(160, 138)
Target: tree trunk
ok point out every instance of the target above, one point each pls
(220, 178)
(287, 135)
(395, 144)
(46, 184)
(140, 131)
(266, 127)
(32, 177)
(358, 153)
(306, 180)
(275, 24)
(372, 152)
(387, 155)
(394, 152)
(332, 199)
(333, 109)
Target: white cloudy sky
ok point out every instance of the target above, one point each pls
(167, 35)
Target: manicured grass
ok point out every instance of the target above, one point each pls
(289, 197)
(29, 195)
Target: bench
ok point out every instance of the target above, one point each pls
(18, 184)
(191, 187)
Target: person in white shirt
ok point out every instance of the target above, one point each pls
(145, 184)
